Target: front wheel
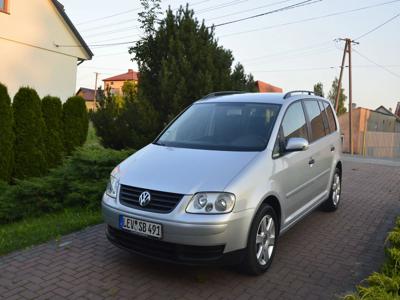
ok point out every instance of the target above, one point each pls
(332, 203)
(261, 242)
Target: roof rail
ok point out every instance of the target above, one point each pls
(222, 93)
(289, 94)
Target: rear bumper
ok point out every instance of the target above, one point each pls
(171, 252)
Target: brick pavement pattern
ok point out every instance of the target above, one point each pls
(322, 257)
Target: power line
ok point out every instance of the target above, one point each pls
(109, 16)
(96, 45)
(314, 69)
(376, 64)
(248, 10)
(108, 25)
(377, 27)
(310, 19)
(230, 3)
(113, 39)
(112, 31)
(296, 5)
(221, 5)
(315, 46)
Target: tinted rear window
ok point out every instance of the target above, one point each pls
(316, 120)
(330, 115)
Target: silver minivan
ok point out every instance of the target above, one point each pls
(226, 178)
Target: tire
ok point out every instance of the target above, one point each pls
(333, 201)
(256, 261)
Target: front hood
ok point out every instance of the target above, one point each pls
(182, 171)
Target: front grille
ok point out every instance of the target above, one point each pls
(164, 250)
(161, 202)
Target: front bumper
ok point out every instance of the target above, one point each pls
(170, 252)
(226, 232)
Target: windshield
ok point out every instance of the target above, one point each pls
(222, 126)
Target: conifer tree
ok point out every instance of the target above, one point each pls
(75, 123)
(6, 135)
(52, 115)
(29, 127)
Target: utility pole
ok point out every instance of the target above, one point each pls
(340, 78)
(95, 89)
(350, 99)
(347, 49)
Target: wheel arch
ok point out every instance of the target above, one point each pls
(273, 201)
(339, 166)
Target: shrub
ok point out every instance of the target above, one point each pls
(75, 123)
(52, 115)
(132, 125)
(386, 283)
(6, 135)
(29, 127)
(79, 182)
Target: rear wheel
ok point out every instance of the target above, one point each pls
(332, 203)
(261, 242)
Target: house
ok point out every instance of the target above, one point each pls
(88, 95)
(397, 111)
(375, 132)
(263, 87)
(39, 47)
(114, 84)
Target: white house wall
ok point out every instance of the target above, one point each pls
(28, 52)
(48, 72)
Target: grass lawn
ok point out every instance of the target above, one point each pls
(38, 230)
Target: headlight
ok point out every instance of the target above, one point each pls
(113, 183)
(211, 203)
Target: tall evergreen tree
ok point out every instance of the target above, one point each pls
(75, 123)
(29, 127)
(6, 135)
(180, 61)
(241, 81)
(319, 89)
(52, 115)
(342, 97)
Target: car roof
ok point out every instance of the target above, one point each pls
(273, 98)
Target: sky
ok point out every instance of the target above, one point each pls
(292, 49)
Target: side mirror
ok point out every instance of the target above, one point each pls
(296, 144)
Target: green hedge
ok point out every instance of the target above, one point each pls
(386, 283)
(79, 182)
(52, 115)
(29, 128)
(6, 135)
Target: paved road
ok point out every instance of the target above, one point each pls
(322, 257)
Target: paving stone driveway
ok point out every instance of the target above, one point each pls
(322, 257)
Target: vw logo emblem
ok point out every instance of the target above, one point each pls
(144, 198)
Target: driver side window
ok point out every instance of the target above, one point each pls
(293, 125)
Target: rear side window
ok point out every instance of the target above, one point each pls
(316, 119)
(330, 115)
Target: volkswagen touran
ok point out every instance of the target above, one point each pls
(226, 178)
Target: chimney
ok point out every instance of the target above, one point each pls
(130, 71)
(353, 105)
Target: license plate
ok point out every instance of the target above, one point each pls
(140, 226)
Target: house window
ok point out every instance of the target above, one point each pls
(4, 6)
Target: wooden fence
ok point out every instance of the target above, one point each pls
(381, 144)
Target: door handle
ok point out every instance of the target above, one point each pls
(311, 161)
(332, 148)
